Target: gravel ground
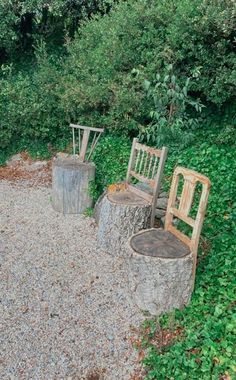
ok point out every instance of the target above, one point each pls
(64, 312)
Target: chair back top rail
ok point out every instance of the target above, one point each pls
(152, 151)
(146, 164)
(191, 178)
(90, 128)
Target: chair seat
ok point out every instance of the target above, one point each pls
(126, 197)
(159, 243)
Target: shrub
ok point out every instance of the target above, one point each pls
(111, 158)
(95, 82)
(99, 86)
(23, 22)
(30, 102)
(197, 38)
(171, 120)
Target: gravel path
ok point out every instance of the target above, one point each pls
(64, 311)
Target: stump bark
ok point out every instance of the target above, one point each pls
(70, 185)
(98, 206)
(121, 215)
(160, 271)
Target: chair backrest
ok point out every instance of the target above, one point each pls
(146, 165)
(83, 140)
(191, 179)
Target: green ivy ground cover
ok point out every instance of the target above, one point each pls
(207, 346)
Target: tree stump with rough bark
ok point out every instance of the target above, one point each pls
(98, 206)
(70, 185)
(160, 271)
(120, 216)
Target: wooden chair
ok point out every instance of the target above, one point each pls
(146, 165)
(83, 140)
(128, 210)
(72, 174)
(162, 262)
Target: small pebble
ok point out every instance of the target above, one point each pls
(65, 308)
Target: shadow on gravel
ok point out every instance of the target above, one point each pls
(96, 375)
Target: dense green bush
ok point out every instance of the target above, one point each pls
(96, 82)
(30, 103)
(196, 37)
(201, 39)
(100, 86)
(171, 121)
(23, 22)
(111, 158)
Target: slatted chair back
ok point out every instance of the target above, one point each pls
(146, 165)
(81, 141)
(191, 179)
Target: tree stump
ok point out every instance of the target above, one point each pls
(98, 206)
(160, 271)
(70, 185)
(121, 215)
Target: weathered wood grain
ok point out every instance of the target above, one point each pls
(147, 170)
(158, 284)
(70, 185)
(121, 215)
(191, 178)
(83, 143)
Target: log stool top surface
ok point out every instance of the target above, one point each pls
(126, 197)
(159, 243)
(71, 163)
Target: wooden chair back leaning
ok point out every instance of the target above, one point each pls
(83, 140)
(146, 165)
(191, 178)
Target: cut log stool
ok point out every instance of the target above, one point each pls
(160, 273)
(161, 263)
(70, 185)
(121, 215)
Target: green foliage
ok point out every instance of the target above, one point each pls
(89, 212)
(23, 22)
(95, 82)
(201, 39)
(99, 85)
(171, 120)
(146, 36)
(8, 36)
(207, 348)
(31, 103)
(227, 136)
(111, 158)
